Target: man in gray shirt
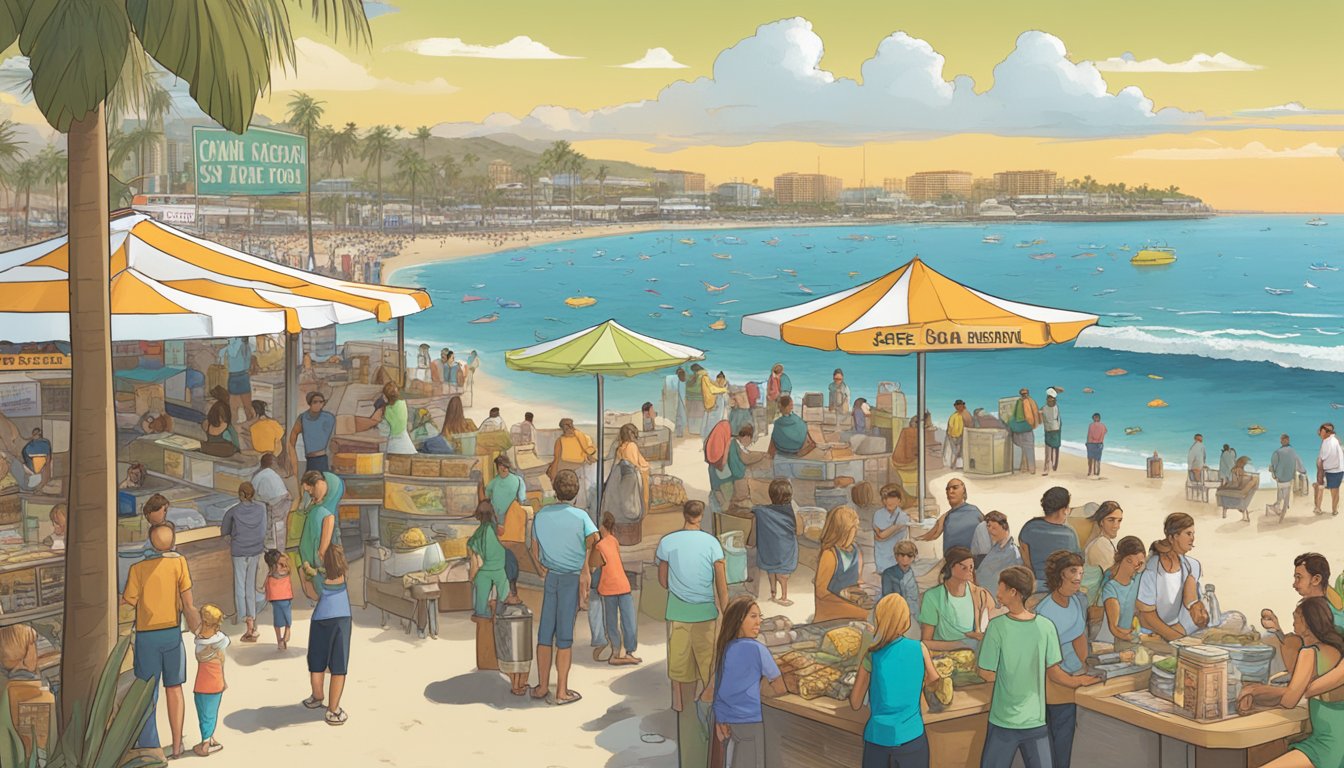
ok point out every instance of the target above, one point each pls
(245, 525)
(1195, 460)
(272, 491)
(1284, 466)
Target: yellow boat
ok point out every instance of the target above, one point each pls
(1159, 403)
(1255, 429)
(1154, 376)
(1153, 256)
(718, 325)
(579, 302)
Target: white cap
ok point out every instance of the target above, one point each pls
(1050, 392)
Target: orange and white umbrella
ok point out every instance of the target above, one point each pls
(167, 284)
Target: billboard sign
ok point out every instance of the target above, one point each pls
(260, 161)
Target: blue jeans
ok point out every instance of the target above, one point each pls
(559, 609)
(245, 586)
(619, 612)
(597, 625)
(1061, 720)
(1002, 743)
(911, 754)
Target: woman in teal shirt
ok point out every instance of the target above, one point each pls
(319, 524)
(893, 673)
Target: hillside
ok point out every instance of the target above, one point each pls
(487, 149)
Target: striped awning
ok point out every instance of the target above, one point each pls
(915, 309)
(607, 348)
(167, 284)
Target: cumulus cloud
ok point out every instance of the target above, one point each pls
(323, 68)
(520, 47)
(1200, 62)
(771, 86)
(1291, 109)
(655, 58)
(1252, 151)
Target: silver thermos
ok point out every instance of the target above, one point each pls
(514, 639)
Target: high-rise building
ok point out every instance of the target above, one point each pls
(893, 184)
(805, 188)
(500, 172)
(1018, 183)
(738, 193)
(932, 185)
(680, 182)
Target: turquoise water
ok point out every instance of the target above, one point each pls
(1229, 353)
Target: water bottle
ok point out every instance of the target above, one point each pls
(1211, 603)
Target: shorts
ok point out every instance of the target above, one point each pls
(160, 653)
(281, 615)
(690, 651)
(1094, 451)
(329, 645)
(1052, 438)
(240, 383)
(559, 610)
(317, 463)
(1332, 479)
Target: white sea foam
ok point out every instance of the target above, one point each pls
(1225, 344)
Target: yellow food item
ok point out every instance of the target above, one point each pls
(453, 548)
(943, 691)
(412, 538)
(813, 533)
(818, 682)
(964, 660)
(845, 640)
(944, 666)
(1223, 637)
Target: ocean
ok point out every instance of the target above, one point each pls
(1202, 334)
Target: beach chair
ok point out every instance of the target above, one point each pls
(1239, 498)
(1195, 490)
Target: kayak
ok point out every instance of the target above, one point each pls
(579, 302)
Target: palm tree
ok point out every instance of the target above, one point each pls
(342, 146)
(143, 138)
(446, 174)
(423, 135)
(378, 144)
(469, 160)
(10, 152)
(601, 177)
(413, 171)
(225, 51)
(305, 116)
(27, 175)
(52, 165)
(530, 174)
(575, 167)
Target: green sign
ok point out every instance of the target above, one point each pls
(261, 161)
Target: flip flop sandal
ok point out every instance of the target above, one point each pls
(336, 718)
(573, 697)
(312, 703)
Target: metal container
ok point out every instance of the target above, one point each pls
(514, 638)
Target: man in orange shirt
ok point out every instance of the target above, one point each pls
(154, 587)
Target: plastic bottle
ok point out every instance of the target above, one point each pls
(1211, 603)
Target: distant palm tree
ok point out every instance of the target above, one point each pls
(423, 135)
(343, 145)
(305, 116)
(53, 166)
(601, 177)
(469, 160)
(378, 143)
(10, 153)
(144, 138)
(413, 171)
(530, 174)
(577, 160)
(27, 175)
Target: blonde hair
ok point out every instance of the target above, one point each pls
(842, 525)
(907, 547)
(211, 615)
(892, 616)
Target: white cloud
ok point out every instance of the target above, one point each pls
(1252, 151)
(1291, 109)
(655, 58)
(770, 86)
(1200, 62)
(323, 68)
(520, 47)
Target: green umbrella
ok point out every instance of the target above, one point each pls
(606, 349)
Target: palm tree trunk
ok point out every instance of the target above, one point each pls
(28, 212)
(308, 179)
(90, 566)
(382, 218)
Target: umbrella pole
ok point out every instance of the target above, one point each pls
(401, 351)
(919, 426)
(293, 359)
(601, 451)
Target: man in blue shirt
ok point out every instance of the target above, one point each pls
(957, 527)
(562, 540)
(1284, 465)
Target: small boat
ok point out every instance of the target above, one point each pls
(1154, 377)
(853, 274)
(1106, 292)
(805, 289)
(1153, 256)
(467, 297)
(599, 253)
(718, 325)
(1093, 247)
(1158, 403)
(490, 318)
(990, 239)
(724, 256)
(1255, 429)
(579, 302)
(1088, 390)
(508, 304)
(714, 288)
(650, 290)
(1124, 247)
(1100, 270)
(897, 238)
(1038, 241)
(666, 306)
(1308, 284)
(655, 314)
(651, 280)
(789, 272)
(1133, 430)
(1278, 291)
(1337, 406)
(686, 241)
(771, 241)
(1085, 255)
(478, 285)
(518, 258)
(1022, 244)
(686, 313)
(1323, 266)
(728, 301)
(644, 257)
(1116, 372)
(1043, 256)
(808, 247)
(1317, 221)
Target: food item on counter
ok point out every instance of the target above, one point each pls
(843, 642)
(1167, 664)
(1224, 637)
(1142, 656)
(944, 666)
(964, 660)
(412, 538)
(943, 691)
(778, 637)
(816, 683)
(792, 660)
(776, 624)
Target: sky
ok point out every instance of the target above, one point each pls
(1236, 102)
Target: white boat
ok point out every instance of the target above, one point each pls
(993, 239)
(1317, 222)
(1323, 266)
(1308, 284)
(1278, 291)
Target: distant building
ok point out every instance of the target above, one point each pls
(860, 195)
(893, 184)
(680, 182)
(500, 172)
(1019, 183)
(932, 185)
(738, 194)
(807, 188)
